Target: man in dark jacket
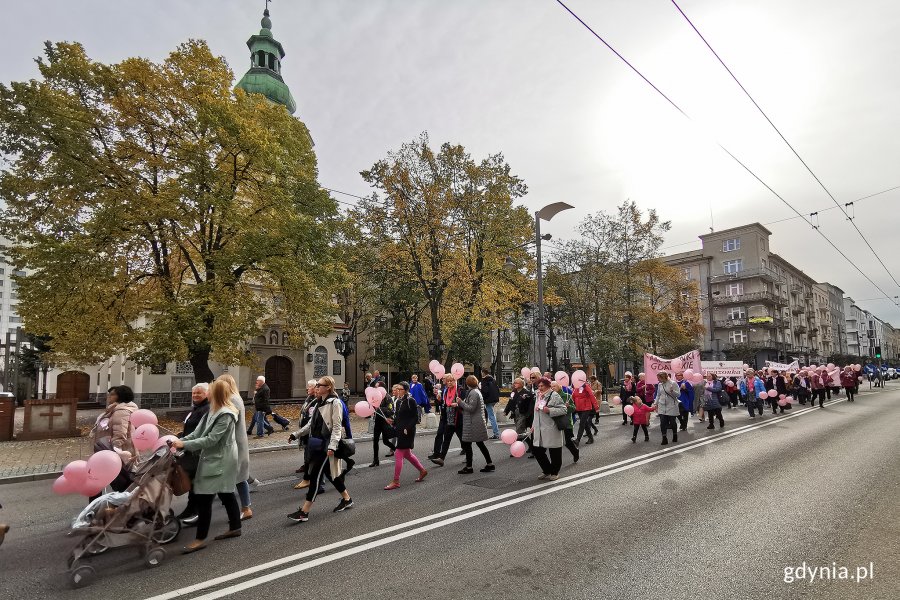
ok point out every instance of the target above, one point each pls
(522, 402)
(491, 394)
(199, 409)
(263, 410)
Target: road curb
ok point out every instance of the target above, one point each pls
(27, 478)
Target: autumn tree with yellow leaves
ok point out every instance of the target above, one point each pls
(161, 213)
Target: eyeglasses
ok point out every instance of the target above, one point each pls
(321, 385)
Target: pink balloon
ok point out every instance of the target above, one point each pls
(579, 378)
(525, 373)
(561, 378)
(688, 373)
(90, 489)
(746, 366)
(433, 365)
(382, 391)
(857, 368)
(859, 379)
(376, 399)
(371, 393)
(509, 436)
(363, 409)
(677, 363)
(145, 436)
(164, 441)
(830, 366)
(457, 370)
(440, 372)
(62, 486)
(617, 400)
(729, 383)
(629, 410)
(789, 399)
(773, 393)
(698, 378)
(782, 402)
(782, 396)
(518, 449)
(536, 370)
(142, 417)
(102, 468)
(763, 395)
(75, 473)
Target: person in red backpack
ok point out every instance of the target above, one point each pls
(848, 382)
(641, 417)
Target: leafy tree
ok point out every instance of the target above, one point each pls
(449, 223)
(161, 213)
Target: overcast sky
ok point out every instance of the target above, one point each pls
(524, 78)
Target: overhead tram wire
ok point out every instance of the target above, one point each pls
(723, 148)
(787, 143)
(827, 208)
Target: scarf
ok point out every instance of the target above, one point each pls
(451, 396)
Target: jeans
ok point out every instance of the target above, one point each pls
(492, 419)
(448, 438)
(400, 454)
(467, 451)
(243, 490)
(548, 467)
(441, 432)
(585, 425)
(260, 420)
(715, 413)
(569, 436)
(667, 422)
(204, 511)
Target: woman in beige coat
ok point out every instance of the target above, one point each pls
(243, 447)
(547, 436)
(325, 430)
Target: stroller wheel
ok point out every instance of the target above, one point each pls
(82, 575)
(167, 532)
(154, 557)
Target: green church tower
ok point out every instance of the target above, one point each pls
(264, 76)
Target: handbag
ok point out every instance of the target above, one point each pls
(562, 421)
(179, 480)
(346, 448)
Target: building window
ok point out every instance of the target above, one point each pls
(737, 337)
(686, 271)
(320, 362)
(737, 313)
(734, 289)
(732, 266)
(158, 369)
(336, 367)
(731, 245)
(15, 319)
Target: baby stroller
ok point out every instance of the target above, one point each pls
(141, 517)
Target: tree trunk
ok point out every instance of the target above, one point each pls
(200, 362)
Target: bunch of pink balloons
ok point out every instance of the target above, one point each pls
(511, 438)
(375, 396)
(88, 478)
(437, 369)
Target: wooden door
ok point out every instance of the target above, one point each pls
(279, 377)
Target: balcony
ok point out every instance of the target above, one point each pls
(729, 323)
(796, 288)
(762, 272)
(768, 297)
(798, 309)
(800, 329)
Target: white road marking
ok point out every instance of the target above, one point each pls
(493, 503)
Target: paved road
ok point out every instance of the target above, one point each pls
(720, 515)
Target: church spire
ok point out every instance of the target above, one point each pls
(264, 75)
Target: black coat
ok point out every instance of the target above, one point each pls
(198, 411)
(523, 401)
(261, 400)
(406, 415)
(489, 390)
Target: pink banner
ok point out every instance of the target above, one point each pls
(654, 364)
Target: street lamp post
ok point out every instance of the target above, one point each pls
(546, 213)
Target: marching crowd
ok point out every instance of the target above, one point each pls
(544, 409)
